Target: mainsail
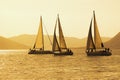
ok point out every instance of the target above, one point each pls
(39, 43)
(55, 42)
(90, 43)
(97, 39)
(61, 36)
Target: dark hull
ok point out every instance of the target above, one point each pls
(39, 52)
(64, 53)
(99, 53)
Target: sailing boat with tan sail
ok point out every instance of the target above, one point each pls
(96, 47)
(60, 48)
(38, 47)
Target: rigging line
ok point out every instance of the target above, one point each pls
(47, 34)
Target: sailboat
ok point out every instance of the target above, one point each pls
(95, 47)
(60, 48)
(38, 47)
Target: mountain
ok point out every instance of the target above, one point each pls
(25, 39)
(71, 42)
(29, 40)
(114, 42)
(9, 44)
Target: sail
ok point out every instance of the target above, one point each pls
(90, 43)
(39, 43)
(55, 46)
(61, 36)
(97, 39)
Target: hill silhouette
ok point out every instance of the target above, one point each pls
(9, 44)
(25, 39)
(29, 40)
(114, 42)
(71, 42)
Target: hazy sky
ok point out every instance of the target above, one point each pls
(22, 16)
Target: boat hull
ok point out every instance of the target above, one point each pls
(63, 53)
(39, 52)
(99, 53)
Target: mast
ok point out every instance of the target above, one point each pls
(39, 43)
(61, 36)
(97, 39)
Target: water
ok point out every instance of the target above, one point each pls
(21, 66)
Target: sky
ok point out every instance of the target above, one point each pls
(22, 16)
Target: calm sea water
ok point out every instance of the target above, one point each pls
(18, 65)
